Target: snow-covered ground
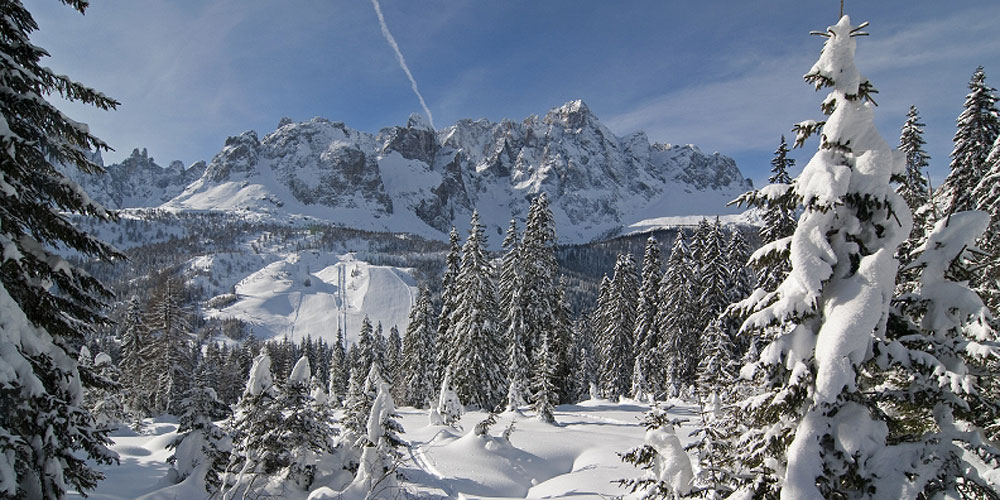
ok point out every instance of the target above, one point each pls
(577, 458)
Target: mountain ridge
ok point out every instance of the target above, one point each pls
(414, 179)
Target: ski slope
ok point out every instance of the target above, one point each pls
(313, 294)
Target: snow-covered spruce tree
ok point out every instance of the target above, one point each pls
(449, 297)
(677, 321)
(978, 127)
(367, 346)
(169, 349)
(477, 360)
(336, 386)
(419, 352)
(304, 432)
(449, 409)
(509, 279)
(544, 393)
(518, 368)
(987, 196)
(714, 276)
(815, 431)
(646, 337)
(539, 272)
(940, 391)
(394, 361)
(132, 365)
(915, 189)
(619, 312)
(380, 458)
(200, 448)
(668, 468)
(106, 403)
(358, 406)
(257, 414)
(584, 360)
(47, 305)
(740, 283)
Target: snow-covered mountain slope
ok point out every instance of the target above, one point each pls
(414, 179)
(313, 294)
(138, 181)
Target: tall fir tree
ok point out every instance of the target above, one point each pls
(544, 393)
(978, 127)
(449, 297)
(257, 414)
(677, 321)
(48, 441)
(304, 433)
(336, 387)
(539, 273)
(518, 368)
(367, 346)
(394, 362)
(419, 352)
(646, 337)
(832, 309)
(477, 362)
(714, 276)
(132, 366)
(619, 313)
(169, 352)
(914, 187)
(987, 196)
(201, 447)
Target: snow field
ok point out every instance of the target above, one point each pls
(577, 458)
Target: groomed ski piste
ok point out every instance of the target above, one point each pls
(575, 459)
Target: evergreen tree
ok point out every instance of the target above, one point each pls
(477, 362)
(940, 391)
(978, 127)
(256, 416)
(831, 308)
(518, 369)
(677, 322)
(394, 360)
(336, 387)
(367, 347)
(987, 196)
(106, 402)
(449, 299)
(539, 269)
(915, 189)
(740, 281)
(132, 365)
(544, 393)
(200, 447)
(449, 409)
(304, 433)
(714, 276)
(380, 458)
(510, 280)
(647, 337)
(584, 360)
(619, 313)
(169, 351)
(48, 305)
(419, 353)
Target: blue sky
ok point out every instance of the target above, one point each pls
(724, 75)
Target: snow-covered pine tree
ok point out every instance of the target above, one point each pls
(132, 364)
(677, 321)
(477, 361)
(48, 441)
(449, 409)
(987, 196)
(336, 387)
(449, 298)
(618, 358)
(978, 127)
(381, 349)
(584, 360)
(915, 189)
(939, 392)
(380, 457)
(646, 337)
(419, 353)
(509, 277)
(518, 368)
(257, 414)
(367, 347)
(561, 345)
(814, 432)
(714, 276)
(304, 433)
(669, 473)
(544, 393)
(201, 447)
(394, 362)
(169, 350)
(106, 401)
(540, 271)
(740, 283)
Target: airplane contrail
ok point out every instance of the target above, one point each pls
(402, 61)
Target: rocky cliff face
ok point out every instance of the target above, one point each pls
(415, 179)
(138, 181)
